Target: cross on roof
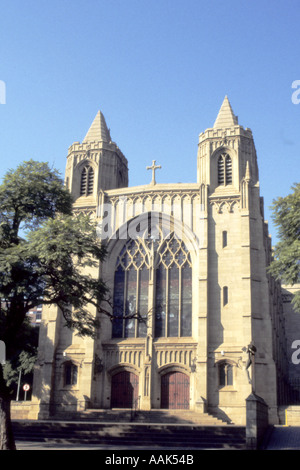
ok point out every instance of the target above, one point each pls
(153, 167)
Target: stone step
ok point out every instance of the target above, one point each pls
(151, 416)
(126, 434)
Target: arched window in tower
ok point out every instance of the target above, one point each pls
(171, 306)
(87, 181)
(224, 170)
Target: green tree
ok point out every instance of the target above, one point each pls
(44, 251)
(23, 361)
(286, 263)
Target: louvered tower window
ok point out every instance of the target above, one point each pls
(224, 170)
(221, 170)
(90, 181)
(228, 168)
(87, 181)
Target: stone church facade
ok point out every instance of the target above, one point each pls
(186, 271)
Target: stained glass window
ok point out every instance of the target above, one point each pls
(172, 303)
(173, 306)
(131, 288)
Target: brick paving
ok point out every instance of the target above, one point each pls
(284, 438)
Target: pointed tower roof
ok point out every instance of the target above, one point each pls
(225, 118)
(98, 130)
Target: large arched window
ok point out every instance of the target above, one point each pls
(224, 170)
(168, 300)
(87, 181)
(173, 300)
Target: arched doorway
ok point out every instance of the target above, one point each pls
(175, 391)
(124, 389)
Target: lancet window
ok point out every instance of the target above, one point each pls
(224, 169)
(87, 181)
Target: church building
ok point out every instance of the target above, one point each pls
(197, 322)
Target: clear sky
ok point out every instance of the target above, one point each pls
(159, 71)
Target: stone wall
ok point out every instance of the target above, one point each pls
(257, 421)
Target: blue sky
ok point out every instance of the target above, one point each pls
(159, 71)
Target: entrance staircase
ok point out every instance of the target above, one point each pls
(151, 416)
(115, 429)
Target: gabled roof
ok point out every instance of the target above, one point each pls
(225, 118)
(98, 131)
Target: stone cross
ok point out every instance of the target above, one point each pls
(153, 168)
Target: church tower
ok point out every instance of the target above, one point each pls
(97, 164)
(240, 293)
(226, 154)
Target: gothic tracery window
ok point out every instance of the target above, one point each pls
(173, 303)
(224, 169)
(87, 181)
(171, 307)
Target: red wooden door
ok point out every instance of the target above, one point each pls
(124, 389)
(175, 391)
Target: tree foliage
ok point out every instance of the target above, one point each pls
(24, 357)
(45, 265)
(44, 254)
(286, 263)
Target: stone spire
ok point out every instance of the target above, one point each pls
(98, 132)
(225, 118)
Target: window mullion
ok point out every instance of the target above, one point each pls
(136, 321)
(180, 302)
(167, 303)
(125, 301)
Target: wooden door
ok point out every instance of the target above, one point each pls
(124, 389)
(175, 391)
